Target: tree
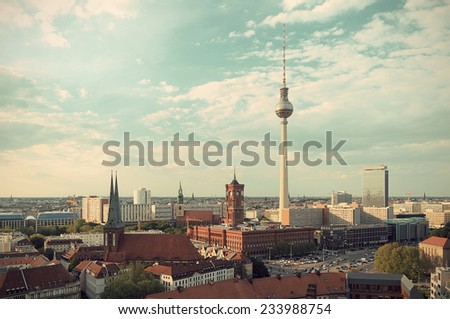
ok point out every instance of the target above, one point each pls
(72, 264)
(132, 283)
(26, 230)
(396, 259)
(442, 232)
(259, 268)
(49, 253)
(37, 240)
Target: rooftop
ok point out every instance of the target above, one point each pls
(437, 241)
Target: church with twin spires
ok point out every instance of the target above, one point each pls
(121, 247)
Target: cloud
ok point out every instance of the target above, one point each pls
(144, 82)
(120, 9)
(12, 15)
(83, 92)
(246, 34)
(320, 11)
(165, 87)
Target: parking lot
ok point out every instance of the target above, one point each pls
(324, 261)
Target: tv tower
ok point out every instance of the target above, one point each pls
(283, 110)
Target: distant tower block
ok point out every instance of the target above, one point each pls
(283, 110)
(235, 202)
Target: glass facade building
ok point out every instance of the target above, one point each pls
(375, 186)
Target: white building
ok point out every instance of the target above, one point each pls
(94, 276)
(376, 215)
(189, 275)
(92, 209)
(162, 212)
(89, 239)
(302, 217)
(344, 215)
(440, 283)
(142, 196)
(132, 213)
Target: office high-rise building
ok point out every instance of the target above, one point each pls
(142, 196)
(375, 186)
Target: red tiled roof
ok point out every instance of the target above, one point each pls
(154, 247)
(82, 265)
(270, 287)
(437, 241)
(15, 261)
(39, 262)
(25, 280)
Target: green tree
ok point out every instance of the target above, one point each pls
(396, 259)
(259, 268)
(442, 232)
(37, 240)
(132, 283)
(72, 264)
(49, 253)
(26, 230)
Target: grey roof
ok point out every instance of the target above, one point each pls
(56, 215)
(11, 216)
(382, 279)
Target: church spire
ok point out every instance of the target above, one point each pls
(180, 195)
(114, 212)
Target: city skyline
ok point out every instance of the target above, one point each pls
(77, 74)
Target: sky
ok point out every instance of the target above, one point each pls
(75, 75)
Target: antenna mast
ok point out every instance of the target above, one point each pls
(284, 55)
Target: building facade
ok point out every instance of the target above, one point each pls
(407, 229)
(340, 197)
(337, 237)
(92, 209)
(235, 203)
(375, 186)
(132, 213)
(173, 276)
(437, 248)
(376, 215)
(56, 218)
(302, 217)
(344, 215)
(142, 196)
(12, 220)
(440, 283)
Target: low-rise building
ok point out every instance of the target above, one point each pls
(94, 276)
(381, 286)
(337, 237)
(89, 239)
(407, 229)
(174, 275)
(12, 220)
(49, 282)
(316, 286)
(56, 218)
(437, 248)
(440, 283)
(61, 245)
(438, 219)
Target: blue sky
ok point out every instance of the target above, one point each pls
(75, 74)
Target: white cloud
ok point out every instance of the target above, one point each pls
(321, 11)
(245, 34)
(144, 82)
(111, 26)
(12, 14)
(164, 86)
(83, 92)
(63, 95)
(120, 9)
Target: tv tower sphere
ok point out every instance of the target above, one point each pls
(284, 108)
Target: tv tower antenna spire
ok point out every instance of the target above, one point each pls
(284, 55)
